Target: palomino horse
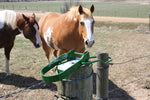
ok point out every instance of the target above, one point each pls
(63, 32)
(12, 24)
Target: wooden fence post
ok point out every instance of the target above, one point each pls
(102, 77)
(149, 21)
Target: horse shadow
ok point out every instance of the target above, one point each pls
(24, 82)
(115, 93)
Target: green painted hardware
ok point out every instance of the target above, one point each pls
(89, 62)
(71, 55)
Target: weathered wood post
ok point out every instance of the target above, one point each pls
(102, 77)
(78, 86)
(149, 21)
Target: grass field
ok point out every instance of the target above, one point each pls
(120, 9)
(121, 44)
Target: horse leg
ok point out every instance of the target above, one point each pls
(7, 57)
(47, 52)
(46, 49)
(61, 51)
(55, 53)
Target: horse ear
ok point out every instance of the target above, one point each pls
(26, 18)
(92, 8)
(33, 15)
(80, 9)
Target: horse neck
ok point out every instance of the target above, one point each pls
(20, 22)
(17, 30)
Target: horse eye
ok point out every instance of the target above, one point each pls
(82, 23)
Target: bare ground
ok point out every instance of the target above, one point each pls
(121, 19)
(26, 63)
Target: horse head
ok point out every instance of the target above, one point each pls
(30, 29)
(86, 24)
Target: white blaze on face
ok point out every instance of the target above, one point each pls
(88, 24)
(38, 39)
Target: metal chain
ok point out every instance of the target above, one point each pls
(35, 85)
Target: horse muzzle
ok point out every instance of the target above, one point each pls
(36, 45)
(89, 43)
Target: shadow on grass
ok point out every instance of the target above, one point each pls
(117, 94)
(24, 82)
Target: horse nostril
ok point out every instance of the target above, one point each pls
(36, 45)
(86, 42)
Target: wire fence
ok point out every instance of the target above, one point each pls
(102, 8)
(110, 91)
(133, 81)
(129, 60)
(33, 86)
(115, 89)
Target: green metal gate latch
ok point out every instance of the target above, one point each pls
(71, 55)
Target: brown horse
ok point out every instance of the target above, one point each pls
(63, 32)
(12, 24)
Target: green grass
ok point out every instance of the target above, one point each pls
(33, 6)
(120, 9)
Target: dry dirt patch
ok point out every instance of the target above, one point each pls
(121, 19)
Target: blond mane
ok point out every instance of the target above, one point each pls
(73, 13)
